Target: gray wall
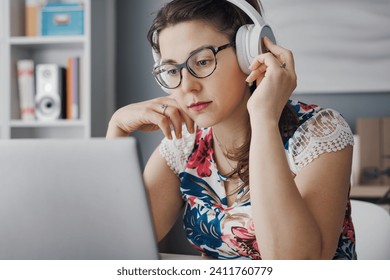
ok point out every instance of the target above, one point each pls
(352, 105)
(134, 80)
(102, 65)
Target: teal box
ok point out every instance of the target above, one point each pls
(62, 19)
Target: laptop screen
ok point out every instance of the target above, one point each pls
(73, 199)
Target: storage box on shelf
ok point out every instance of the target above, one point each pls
(62, 19)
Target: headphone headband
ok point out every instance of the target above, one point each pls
(249, 10)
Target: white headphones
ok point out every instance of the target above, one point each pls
(248, 38)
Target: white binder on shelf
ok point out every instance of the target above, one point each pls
(25, 70)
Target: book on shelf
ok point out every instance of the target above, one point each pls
(25, 74)
(73, 88)
(32, 17)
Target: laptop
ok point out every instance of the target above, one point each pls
(73, 200)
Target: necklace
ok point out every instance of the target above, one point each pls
(233, 171)
(225, 157)
(229, 176)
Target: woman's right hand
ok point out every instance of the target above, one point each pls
(159, 113)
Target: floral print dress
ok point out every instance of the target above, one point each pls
(226, 231)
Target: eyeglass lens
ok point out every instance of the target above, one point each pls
(200, 64)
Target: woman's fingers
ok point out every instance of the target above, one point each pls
(257, 73)
(159, 113)
(174, 116)
(277, 59)
(160, 121)
(284, 56)
(189, 123)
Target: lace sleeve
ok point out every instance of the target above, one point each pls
(325, 132)
(177, 151)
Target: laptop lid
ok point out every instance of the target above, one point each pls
(73, 199)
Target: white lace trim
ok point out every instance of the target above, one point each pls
(177, 151)
(325, 132)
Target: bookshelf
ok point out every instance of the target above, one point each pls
(14, 46)
(2, 69)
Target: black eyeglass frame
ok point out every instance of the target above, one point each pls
(180, 66)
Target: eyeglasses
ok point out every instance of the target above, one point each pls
(201, 64)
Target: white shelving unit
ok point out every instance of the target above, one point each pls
(2, 70)
(50, 49)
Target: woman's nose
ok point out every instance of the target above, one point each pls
(189, 83)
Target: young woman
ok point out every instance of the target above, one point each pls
(259, 175)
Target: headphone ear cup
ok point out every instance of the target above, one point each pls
(166, 90)
(246, 40)
(249, 44)
(156, 56)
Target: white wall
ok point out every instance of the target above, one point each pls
(339, 45)
(341, 50)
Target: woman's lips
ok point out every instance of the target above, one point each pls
(199, 106)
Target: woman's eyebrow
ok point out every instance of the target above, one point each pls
(191, 53)
(171, 61)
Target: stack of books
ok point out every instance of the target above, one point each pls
(56, 91)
